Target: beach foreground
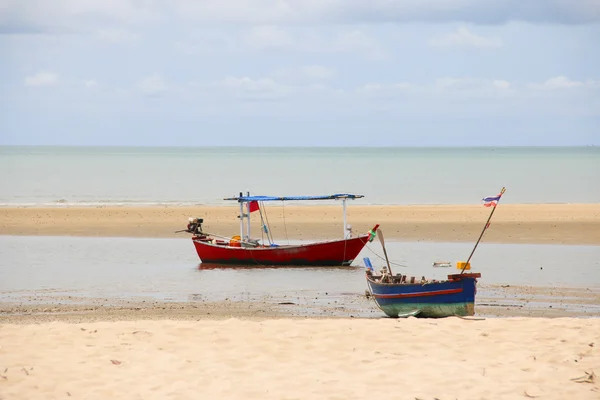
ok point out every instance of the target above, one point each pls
(410, 358)
(527, 223)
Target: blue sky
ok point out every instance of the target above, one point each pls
(300, 72)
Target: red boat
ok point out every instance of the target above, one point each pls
(243, 250)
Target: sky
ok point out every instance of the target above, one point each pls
(300, 72)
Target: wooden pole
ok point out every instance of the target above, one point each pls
(483, 231)
(380, 235)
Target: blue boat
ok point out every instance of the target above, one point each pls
(397, 297)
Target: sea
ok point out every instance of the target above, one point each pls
(89, 176)
(39, 269)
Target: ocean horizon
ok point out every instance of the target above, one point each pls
(189, 175)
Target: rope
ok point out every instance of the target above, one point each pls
(262, 226)
(262, 232)
(377, 255)
(269, 233)
(391, 262)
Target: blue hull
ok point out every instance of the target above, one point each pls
(431, 300)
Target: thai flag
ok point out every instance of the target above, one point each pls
(491, 201)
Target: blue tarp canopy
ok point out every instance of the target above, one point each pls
(243, 199)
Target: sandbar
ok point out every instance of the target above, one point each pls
(511, 223)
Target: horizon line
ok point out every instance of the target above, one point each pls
(301, 146)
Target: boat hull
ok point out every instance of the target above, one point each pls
(332, 253)
(455, 297)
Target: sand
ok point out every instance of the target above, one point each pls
(526, 223)
(453, 358)
(266, 350)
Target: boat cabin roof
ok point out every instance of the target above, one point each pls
(243, 199)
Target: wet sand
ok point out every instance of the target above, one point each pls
(498, 301)
(527, 223)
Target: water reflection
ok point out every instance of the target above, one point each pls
(209, 266)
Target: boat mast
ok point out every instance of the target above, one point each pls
(344, 211)
(487, 225)
(241, 218)
(248, 227)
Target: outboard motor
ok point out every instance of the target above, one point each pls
(195, 226)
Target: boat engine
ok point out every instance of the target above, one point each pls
(195, 226)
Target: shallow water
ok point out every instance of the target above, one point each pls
(169, 269)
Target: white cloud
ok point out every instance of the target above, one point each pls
(461, 88)
(445, 87)
(444, 97)
(42, 78)
(313, 83)
(153, 85)
(559, 82)
(500, 84)
(463, 37)
(468, 84)
(460, 96)
(250, 89)
(287, 95)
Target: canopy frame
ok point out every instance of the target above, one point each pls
(241, 199)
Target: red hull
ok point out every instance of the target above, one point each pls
(334, 253)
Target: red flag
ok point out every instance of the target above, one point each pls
(253, 206)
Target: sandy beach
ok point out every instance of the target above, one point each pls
(524, 342)
(527, 223)
(298, 359)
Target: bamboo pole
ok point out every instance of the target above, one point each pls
(380, 236)
(487, 223)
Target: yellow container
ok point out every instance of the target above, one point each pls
(235, 241)
(461, 264)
